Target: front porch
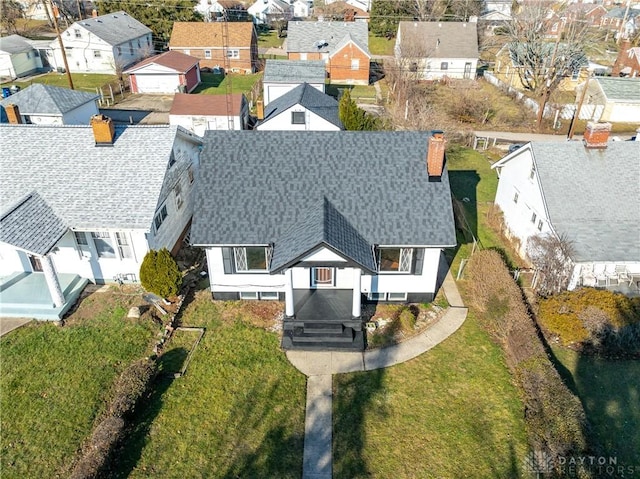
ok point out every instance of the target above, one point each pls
(323, 321)
(27, 295)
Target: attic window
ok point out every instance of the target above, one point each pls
(297, 118)
(444, 66)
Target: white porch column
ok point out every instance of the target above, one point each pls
(288, 293)
(357, 278)
(52, 281)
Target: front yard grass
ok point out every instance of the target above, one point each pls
(56, 380)
(81, 81)
(452, 412)
(237, 412)
(381, 45)
(610, 393)
(215, 84)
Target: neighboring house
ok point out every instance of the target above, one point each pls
(302, 8)
(18, 58)
(214, 10)
(205, 41)
(323, 221)
(87, 203)
(587, 192)
(364, 5)
(168, 72)
(628, 61)
(303, 108)
(42, 104)
(199, 113)
(282, 76)
(344, 47)
(620, 98)
(434, 50)
(340, 11)
(509, 65)
(490, 21)
(105, 44)
(37, 10)
(584, 12)
(622, 21)
(269, 11)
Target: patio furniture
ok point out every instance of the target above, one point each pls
(588, 278)
(611, 274)
(623, 274)
(600, 274)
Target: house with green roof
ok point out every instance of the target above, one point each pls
(615, 99)
(324, 221)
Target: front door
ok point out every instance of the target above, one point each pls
(322, 277)
(36, 265)
(467, 70)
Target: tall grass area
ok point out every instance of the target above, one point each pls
(55, 381)
(610, 393)
(453, 412)
(237, 412)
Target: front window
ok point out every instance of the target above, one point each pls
(177, 191)
(297, 118)
(97, 54)
(124, 248)
(515, 197)
(444, 66)
(533, 217)
(77, 33)
(233, 53)
(395, 259)
(252, 258)
(160, 217)
(207, 54)
(355, 64)
(104, 247)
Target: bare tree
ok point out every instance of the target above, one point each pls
(551, 256)
(542, 64)
(12, 11)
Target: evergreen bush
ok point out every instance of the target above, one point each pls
(159, 273)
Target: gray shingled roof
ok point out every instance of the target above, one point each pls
(305, 36)
(620, 89)
(48, 100)
(114, 28)
(321, 104)
(351, 190)
(439, 39)
(14, 44)
(31, 225)
(87, 186)
(593, 197)
(294, 71)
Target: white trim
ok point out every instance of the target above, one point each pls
(404, 297)
(250, 294)
(377, 296)
(274, 295)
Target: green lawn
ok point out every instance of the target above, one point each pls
(269, 40)
(55, 381)
(610, 393)
(213, 84)
(452, 412)
(380, 45)
(81, 81)
(237, 412)
(359, 93)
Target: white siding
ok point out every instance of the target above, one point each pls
(621, 112)
(199, 124)
(221, 282)
(283, 122)
(276, 90)
(515, 178)
(19, 64)
(323, 254)
(81, 115)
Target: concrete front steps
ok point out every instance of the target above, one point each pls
(322, 336)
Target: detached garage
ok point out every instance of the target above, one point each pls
(169, 72)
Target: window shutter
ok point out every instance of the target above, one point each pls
(419, 260)
(227, 260)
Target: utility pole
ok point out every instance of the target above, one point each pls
(54, 10)
(227, 66)
(576, 115)
(79, 10)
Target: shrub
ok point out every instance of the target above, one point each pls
(407, 320)
(159, 273)
(131, 385)
(96, 453)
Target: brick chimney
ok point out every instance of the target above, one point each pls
(435, 155)
(596, 135)
(13, 114)
(260, 109)
(103, 130)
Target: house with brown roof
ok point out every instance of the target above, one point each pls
(199, 113)
(205, 41)
(169, 72)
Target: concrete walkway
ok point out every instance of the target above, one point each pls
(9, 324)
(319, 366)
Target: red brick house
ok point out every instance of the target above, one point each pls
(205, 42)
(628, 61)
(343, 46)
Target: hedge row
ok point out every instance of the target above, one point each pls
(556, 421)
(132, 384)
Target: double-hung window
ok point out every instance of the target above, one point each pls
(252, 258)
(102, 242)
(233, 53)
(395, 259)
(160, 217)
(124, 248)
(207, 54)
(297, 118)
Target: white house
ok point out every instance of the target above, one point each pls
(214, 10)
(587, 192)
(105, 44)
(86, 203)
(199, 113)
(168, 72)
(282, 76)
(268, 11)
(42, 104)
(302, 8)
(433, 50)
(323, 221)
(303, 108)
(17, 57)
(618, 99)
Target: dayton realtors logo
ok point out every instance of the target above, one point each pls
(540, 462)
